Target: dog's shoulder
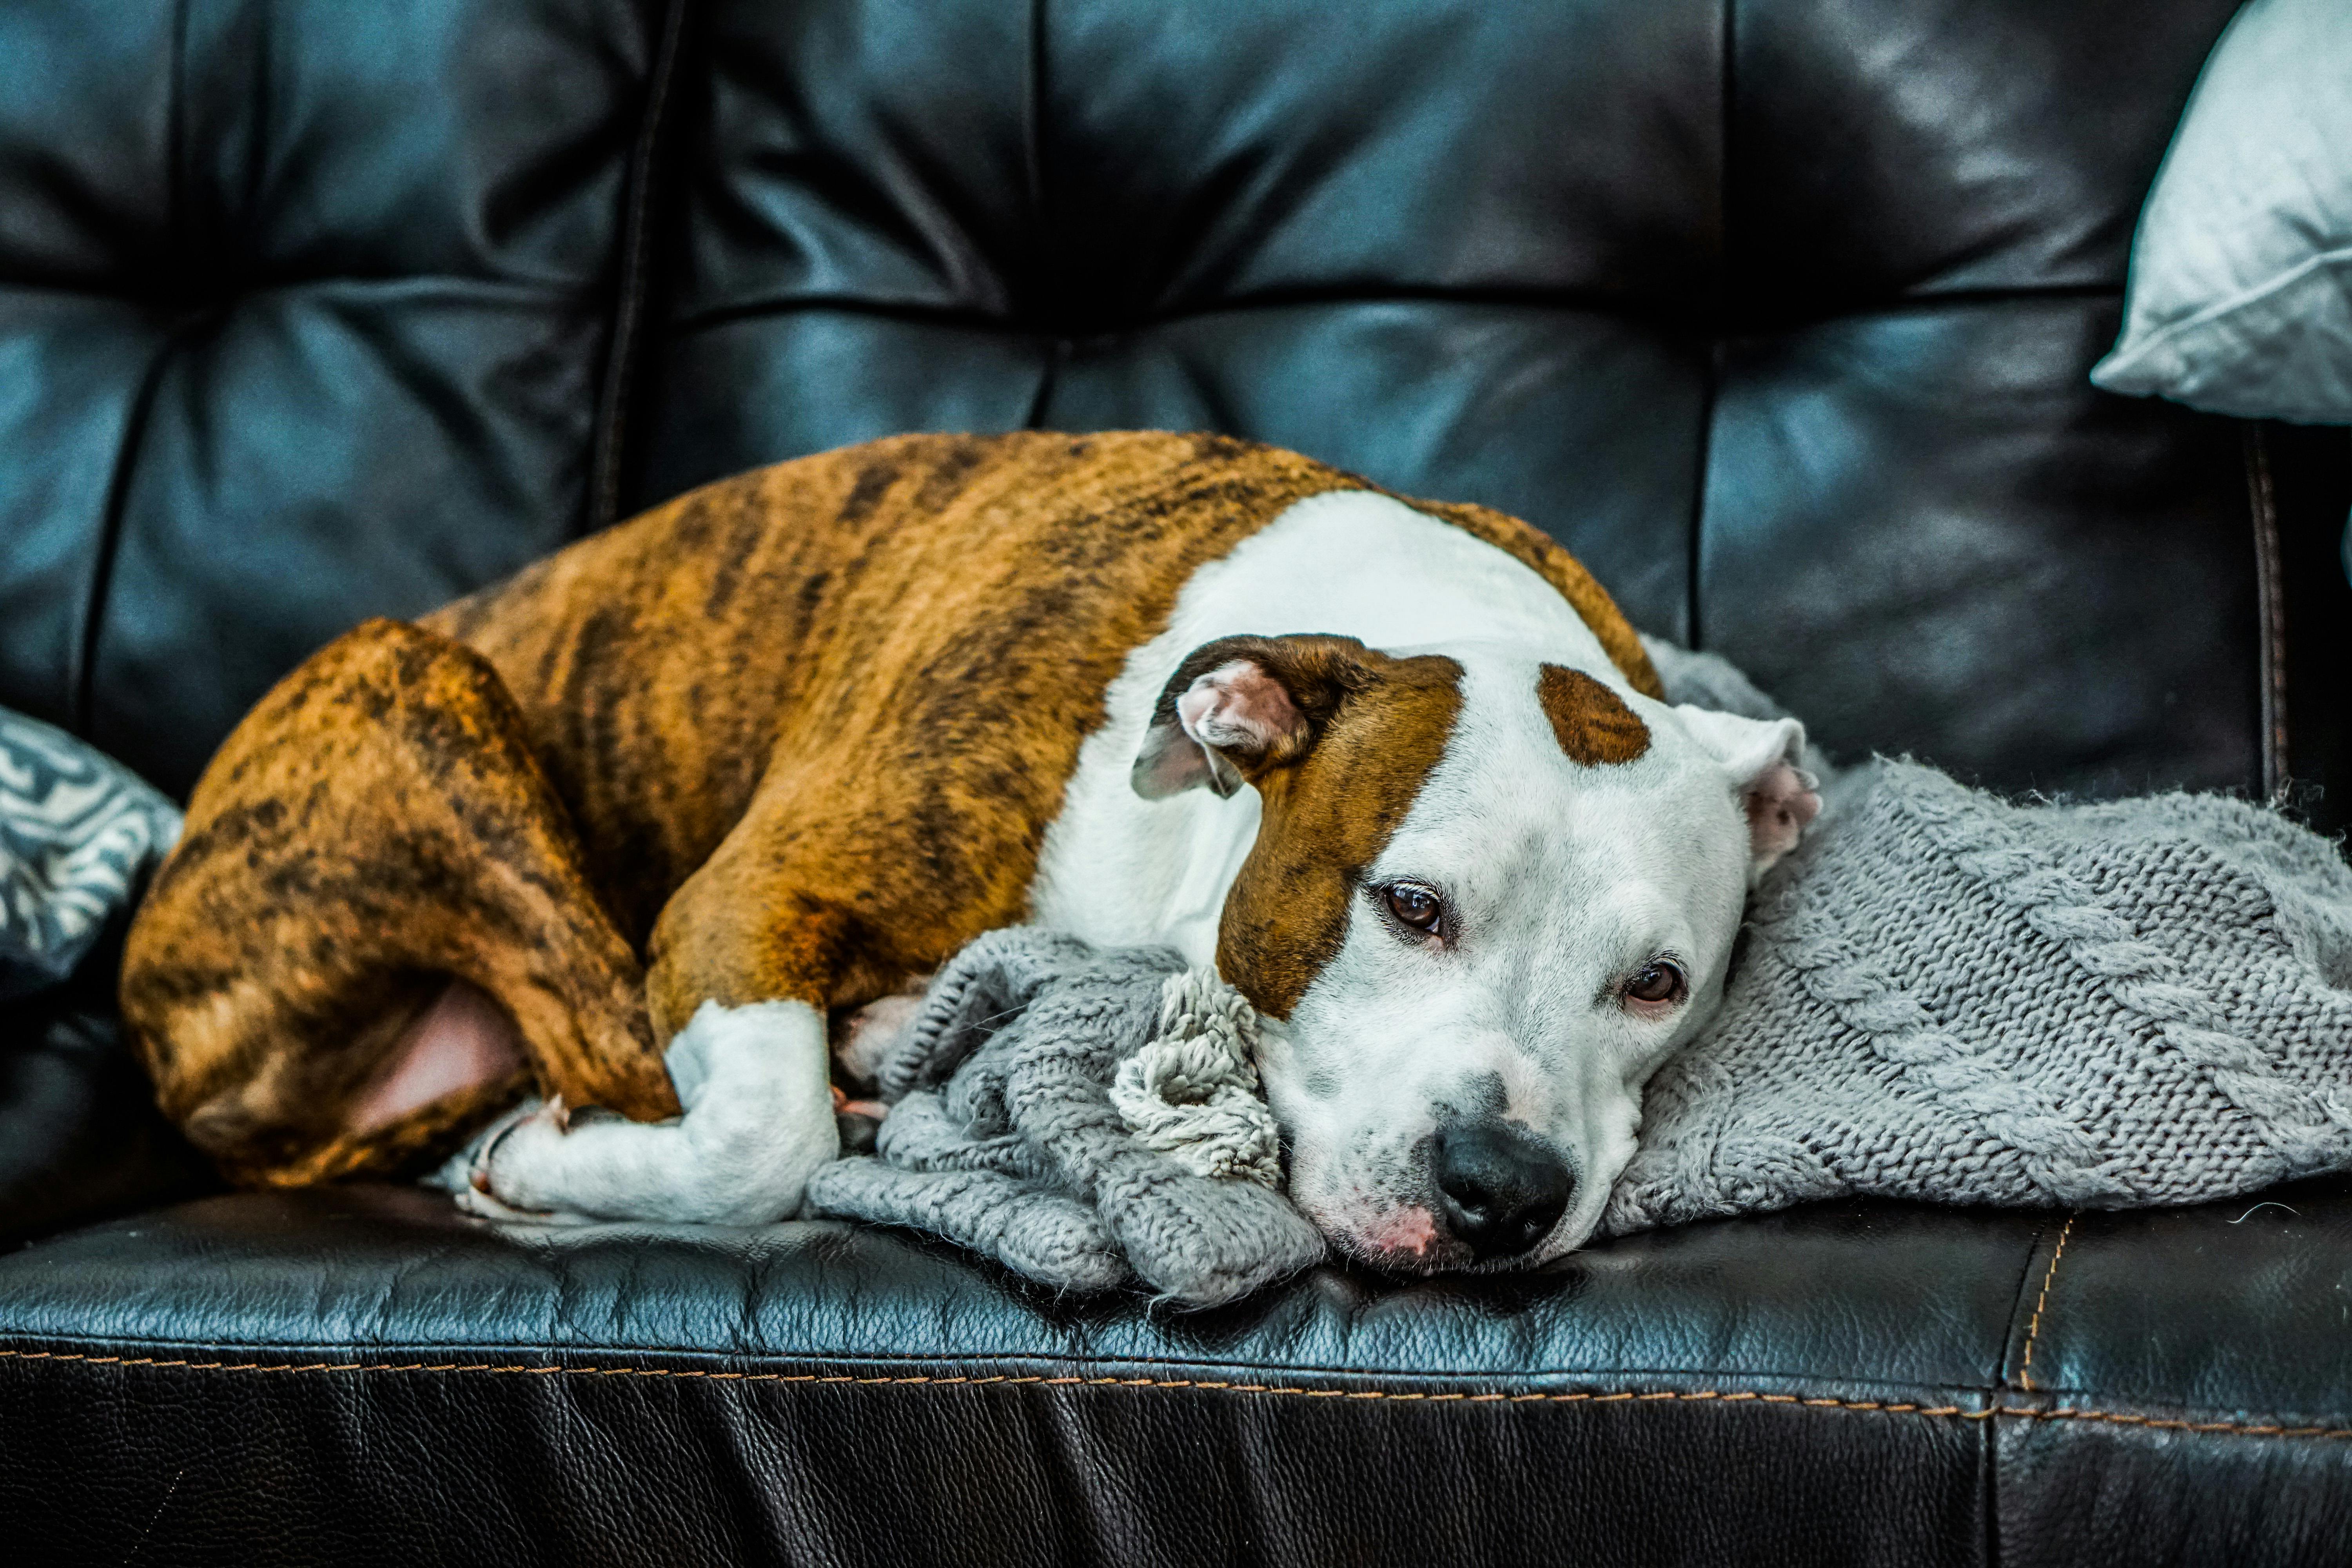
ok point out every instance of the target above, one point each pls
(1552, 561)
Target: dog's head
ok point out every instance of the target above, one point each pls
(1489, 895)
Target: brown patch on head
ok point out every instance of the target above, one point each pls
(1593, 724)
(1377, 725)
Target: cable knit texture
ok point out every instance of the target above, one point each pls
(1945, 996)
(1089, 1119)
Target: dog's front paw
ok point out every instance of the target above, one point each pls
(758, 1118)
(473, 1178)
(483, 1204)
(504, 1193)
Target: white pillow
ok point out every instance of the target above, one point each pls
(2241, 293)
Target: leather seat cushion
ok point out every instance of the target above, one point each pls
(1851, 1383)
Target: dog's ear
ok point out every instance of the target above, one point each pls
(1765, 758)
(1240, 707)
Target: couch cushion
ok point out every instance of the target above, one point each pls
(300, 320)
(79, 1133)
(2151, 1332)
(1779, 315)
(1848, 1383)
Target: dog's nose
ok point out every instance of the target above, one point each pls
(1499, 1189)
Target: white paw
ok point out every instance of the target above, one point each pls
(757, 1120)
(466, 1177)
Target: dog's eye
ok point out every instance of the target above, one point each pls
(1414, 906)
(1654, 982)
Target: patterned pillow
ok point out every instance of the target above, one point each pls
(78, 831)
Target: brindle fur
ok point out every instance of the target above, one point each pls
(797, 733)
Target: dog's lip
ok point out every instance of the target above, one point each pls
(1429, 1252)
(1447, 1258)
(1414, 1266)
(1399, 1238)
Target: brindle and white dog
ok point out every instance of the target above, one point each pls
(631, 825)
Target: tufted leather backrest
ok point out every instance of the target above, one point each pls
(1777, 311)
(303, 312)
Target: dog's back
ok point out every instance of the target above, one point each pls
(929, 617)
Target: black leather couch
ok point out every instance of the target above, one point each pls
(1777, 311)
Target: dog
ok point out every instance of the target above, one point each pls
(635, 827)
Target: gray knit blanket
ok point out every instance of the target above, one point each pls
(1940, 996)
(1948, 997)
(1090, 1118)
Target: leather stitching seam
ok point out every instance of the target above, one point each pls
(2033, 1329)
(630, 286)
(1392, 1397)
(2270, 608)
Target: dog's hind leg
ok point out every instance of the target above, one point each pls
(822, 896)
(750, 1062)
(378, 927)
